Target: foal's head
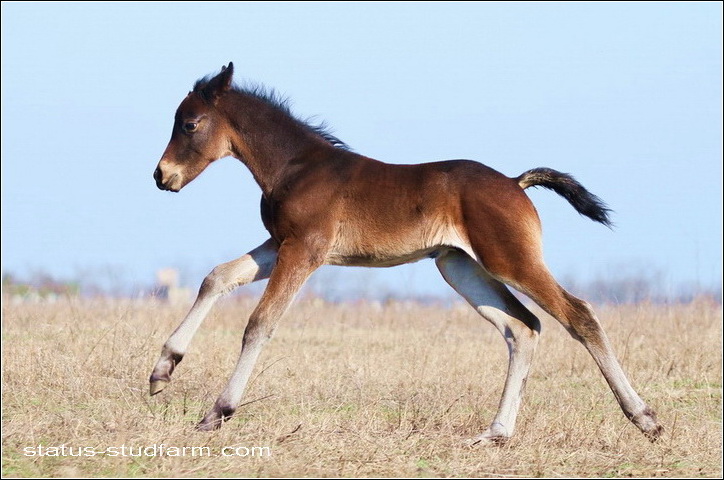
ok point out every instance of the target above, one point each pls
(200, 135)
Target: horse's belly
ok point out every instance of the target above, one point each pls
(394, 249)
(379, 258)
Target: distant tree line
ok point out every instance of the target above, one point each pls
(635, 284)
(623, 286)
(39, 285)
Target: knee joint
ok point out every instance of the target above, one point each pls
(214, 284)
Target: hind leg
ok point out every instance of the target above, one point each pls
(520, 329)
(504, 233)
(581, 322)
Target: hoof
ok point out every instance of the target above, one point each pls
(157, 385)
(648, 424)
(161, 375)
(214, 419)
(654, 434)
(494, 435)
(204, 426)
(210, 423)
(485, 441)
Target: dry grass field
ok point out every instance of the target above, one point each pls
(351, 390)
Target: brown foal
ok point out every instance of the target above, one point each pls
(323, 204)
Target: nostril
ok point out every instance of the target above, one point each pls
(157, 174)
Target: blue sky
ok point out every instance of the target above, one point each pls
(626, 96)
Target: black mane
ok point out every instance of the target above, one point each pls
(281, 103)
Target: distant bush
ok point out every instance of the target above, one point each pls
(42, 286)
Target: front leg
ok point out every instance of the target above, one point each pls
(255, 265)
(295, 262)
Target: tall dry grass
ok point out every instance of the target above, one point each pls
(353, 390)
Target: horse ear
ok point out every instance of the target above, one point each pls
(220, 84)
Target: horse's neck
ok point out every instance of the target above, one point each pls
(266, 140)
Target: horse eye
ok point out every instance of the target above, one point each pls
(190, 126)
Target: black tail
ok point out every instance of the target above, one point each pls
(566, 186)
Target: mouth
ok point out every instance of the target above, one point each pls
(167, 185)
